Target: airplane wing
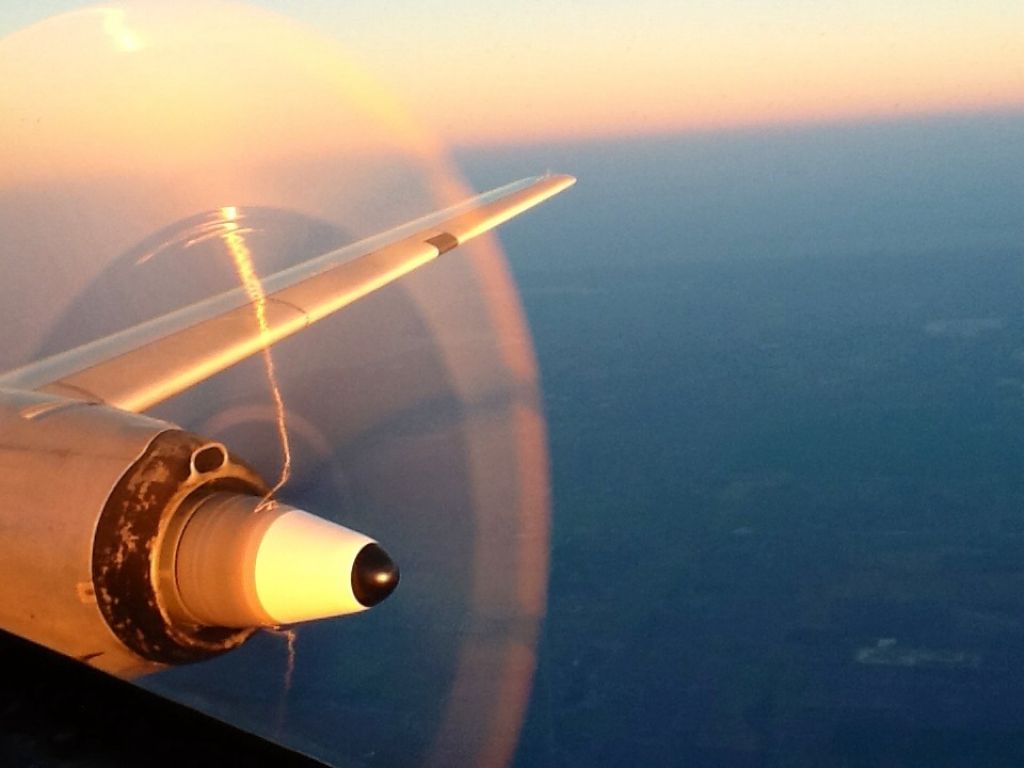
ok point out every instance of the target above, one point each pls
(137, 368)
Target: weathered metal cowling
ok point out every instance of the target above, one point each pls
(91, 500)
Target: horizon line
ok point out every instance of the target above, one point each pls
(997, 111)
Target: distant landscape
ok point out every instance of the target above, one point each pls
(784, 382)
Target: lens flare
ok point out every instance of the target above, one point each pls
(153, 155)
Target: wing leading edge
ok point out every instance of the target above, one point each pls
(144, 365)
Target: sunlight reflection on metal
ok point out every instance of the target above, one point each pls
(242, 257)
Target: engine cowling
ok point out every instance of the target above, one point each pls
(131, 544)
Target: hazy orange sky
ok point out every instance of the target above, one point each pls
(480, 72)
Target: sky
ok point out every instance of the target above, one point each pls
(484, 72)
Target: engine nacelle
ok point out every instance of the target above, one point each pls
(87, 496)
(130, 544)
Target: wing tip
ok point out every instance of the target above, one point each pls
(558, 180)
(550, 184)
